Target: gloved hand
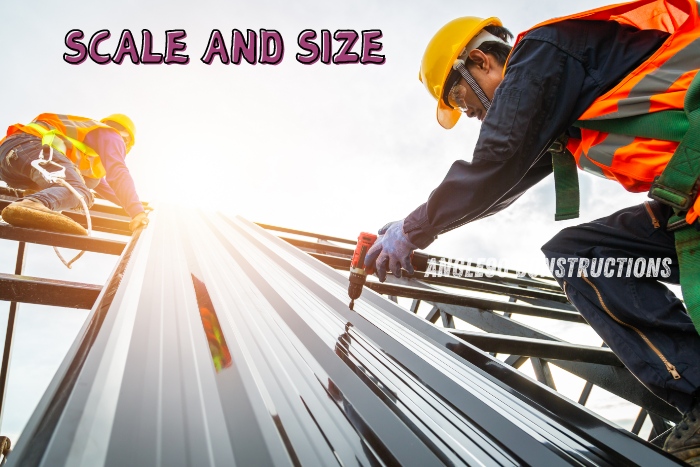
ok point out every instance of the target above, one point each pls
(392, 248)
(139, 220)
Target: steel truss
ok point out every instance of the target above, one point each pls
(215, 342)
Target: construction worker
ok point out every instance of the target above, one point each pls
(632, 60)
(91, 152)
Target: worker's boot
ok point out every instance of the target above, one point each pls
(34, 215)
(684, 440)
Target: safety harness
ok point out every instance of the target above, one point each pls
(49, 141)
(677, 186)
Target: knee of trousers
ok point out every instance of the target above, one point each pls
(565, 243)
(89, 198)
(85, 193)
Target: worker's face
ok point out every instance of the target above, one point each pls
(127, 140)
(488, 73)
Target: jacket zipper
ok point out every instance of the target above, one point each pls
(654, 220)
(669, 366)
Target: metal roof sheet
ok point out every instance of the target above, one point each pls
(217, 343)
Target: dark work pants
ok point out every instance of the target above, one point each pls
(16, 155)
(642, 302)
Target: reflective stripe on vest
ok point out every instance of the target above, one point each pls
(69, 133)
(660, 83)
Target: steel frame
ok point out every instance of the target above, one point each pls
(541, 298)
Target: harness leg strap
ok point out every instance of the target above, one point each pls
(565, 185)
(688, 250)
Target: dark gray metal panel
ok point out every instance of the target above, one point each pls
(223, 345)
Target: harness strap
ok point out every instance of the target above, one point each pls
(566, 187)
(48, 138)
(688, 250)
(668, 125)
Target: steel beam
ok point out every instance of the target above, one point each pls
(9, 332)
(585, 393)
(512, 345)
(307, 234)
(542, 372)
(25, 289)
(316, 247)
(437, 296)
(75, 242)
(108, 209)
(15, 194)
(342, 264)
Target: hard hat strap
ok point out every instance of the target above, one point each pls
(459, 66)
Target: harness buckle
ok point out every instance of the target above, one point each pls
(39, 164)
(559, 145)
(671, 197)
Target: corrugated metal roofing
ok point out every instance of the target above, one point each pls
(220, 344)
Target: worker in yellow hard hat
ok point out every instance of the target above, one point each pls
(565, 94)
(89, 155)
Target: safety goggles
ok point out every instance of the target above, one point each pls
(456, 97)
(127, 138)
(457, 93)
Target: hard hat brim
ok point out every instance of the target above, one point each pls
(447, 117)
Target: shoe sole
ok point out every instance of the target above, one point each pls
(691, 455)
(21, 216)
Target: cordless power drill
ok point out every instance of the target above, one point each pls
(358, 271)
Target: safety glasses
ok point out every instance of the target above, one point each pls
(456, 97)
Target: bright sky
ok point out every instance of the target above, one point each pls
(335, 149)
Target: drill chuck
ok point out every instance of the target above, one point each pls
(358, 271)
(357, 281)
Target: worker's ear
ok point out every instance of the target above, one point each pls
(480, 59)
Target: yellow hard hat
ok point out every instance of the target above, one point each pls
(442, 51)
(124, 123)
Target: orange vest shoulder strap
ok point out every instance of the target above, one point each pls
(664, 15)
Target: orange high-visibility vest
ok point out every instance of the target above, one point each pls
(69, 127)
(660, 83)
